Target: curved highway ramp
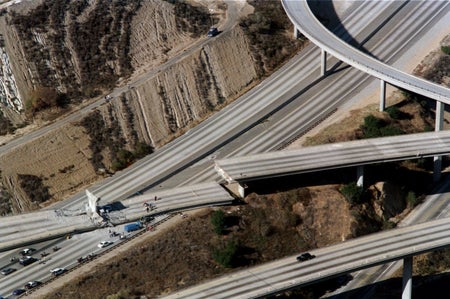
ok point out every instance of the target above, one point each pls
(304, 20)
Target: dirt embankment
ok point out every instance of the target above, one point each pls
(153, 111)
(269, 226)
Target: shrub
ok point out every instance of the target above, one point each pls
(394, 112)
(227, 255)
(266, 28)
(411, 199)
(5, 202)
(6, 126)
(445, 49)
(376, 127)
(34, 188)
(218, 221)
(142, 149)
(352, 192)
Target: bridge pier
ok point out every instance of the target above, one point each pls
(438, 126)
(360, 176)
(296, 32)
(407, 278)
(382, 95)
(323, 62)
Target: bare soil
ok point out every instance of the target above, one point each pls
(270, 225)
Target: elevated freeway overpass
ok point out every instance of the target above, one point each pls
(299, 12)
(332, 156)
(332, 261)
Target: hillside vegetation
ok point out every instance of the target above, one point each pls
(279, 218)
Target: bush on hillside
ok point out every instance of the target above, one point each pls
(352, 193)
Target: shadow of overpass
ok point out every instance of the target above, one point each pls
(423, 287)
(325, 12)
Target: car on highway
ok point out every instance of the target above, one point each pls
(58, 271)
(305, 257)
(7, 271)
(32, 284)
(27, 251)
(26, 260)
(18, 292)
(103, 244)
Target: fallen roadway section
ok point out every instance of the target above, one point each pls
(24, 229)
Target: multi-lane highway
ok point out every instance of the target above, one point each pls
(312, 99)
(303, 18)
(69, 250)
(19, 230)
(284, 106)
(332, 261)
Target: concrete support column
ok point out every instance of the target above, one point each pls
(241, 190)
(407, 278)
(360, 176)
(296, 32)
(323, 62)
(439, 123)
(382, 95)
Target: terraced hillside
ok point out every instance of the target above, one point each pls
(71, 53)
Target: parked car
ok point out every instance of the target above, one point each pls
(103, 244)
(213, 31)
(32, 284)
(7, 271)
(305, 256)
(27, 251)
(26, 260)
(58, 271)
(18, 292)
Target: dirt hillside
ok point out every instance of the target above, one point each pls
(150, 112)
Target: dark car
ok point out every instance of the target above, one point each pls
(146, 219)
(26, 260)
(18, 292)
(7, 271)
(213, 31)
(305, 256)
(32, 284)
